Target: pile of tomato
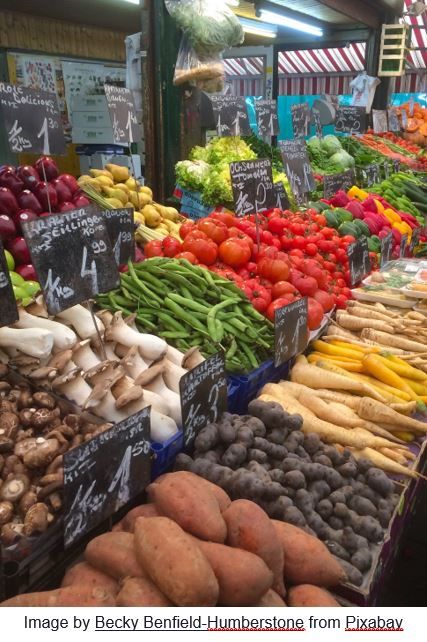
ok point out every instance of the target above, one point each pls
(283, 258)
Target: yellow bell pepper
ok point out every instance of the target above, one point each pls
(356, 192)
(403, 228)
(380, 206)
(391, 215)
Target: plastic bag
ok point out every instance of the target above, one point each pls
(210, 26)
(205, 72)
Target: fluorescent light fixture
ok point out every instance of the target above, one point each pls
(258, 28)
(278, 19)
(131, 1)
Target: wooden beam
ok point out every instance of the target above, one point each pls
(355, 10)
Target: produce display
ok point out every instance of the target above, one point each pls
(327, 155)
(416, 129)
(193, 546)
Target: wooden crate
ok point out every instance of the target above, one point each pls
(394, 49)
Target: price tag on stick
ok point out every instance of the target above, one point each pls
(359, 261)
(104, 474)
(316, 119)
(267, 120)
(297, 166)
(203, 396)
(121, 108)
(334, 182)
(290, 331)
(120, 228)
(379, 119)
(32, 120)
(372, 174)
(282, 198)
(252, 185)
(231, 116)
(8, 308)
(386, 248)
(403, 245)
(393, 120)
(350, 120)
(72, 255)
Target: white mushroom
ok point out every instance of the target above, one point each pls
(192, 358)
(131, 361)
(174, 355)
(35, 342)
(73, 387)
(152, 379)
(150, 347)
(125, 391)
(63, 337)
(103, 373)
(84, 357)
(172, 375)
(38, 308)
(82, 321)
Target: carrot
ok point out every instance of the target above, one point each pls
(393, 341)
(402, 368)
(332, 350)
(387, 392)
(348, 322)
(385, 463)
(355, 346)
(348, 364)
(377, 367)
(377, 412)
(416, 387)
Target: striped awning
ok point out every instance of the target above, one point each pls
(349, 59)
(244, 66)
(418, 58)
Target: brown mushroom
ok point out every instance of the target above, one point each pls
(36, 520)
(23, 446)
(26, 416)
(54, 502)
(7, 406)
(45, 373)
(5, 386)
(64, 431)
(9, 423)
(13, 466)
(26, 501)
(55, 465)
(25, 399)
(1, 463)
(51, 488)
(44, 400)
(42, 454)
(6, 512)
(14, 488)
(77, 440)
(4, 370)
(11, 533)
(6, 444)
(73, 421)
(60, 360)
(43, 416)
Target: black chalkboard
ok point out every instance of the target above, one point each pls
(120, 228)
(297, 166)
(281, 196)
(386, 249)
(252, 185)
(359, 261)
(121, 108)
(72, 255)
(334, 182)
(266, 115)
(403, 245)
(105, 473)
(350, 120)
(32, 120)
(371, 174)
(387, 169)
(8, 309)
(231, 116)
(290, 331)
(203, 396)
(317, 121)
(393, 120)
(415, 239)
(396, 165)
(301, 119)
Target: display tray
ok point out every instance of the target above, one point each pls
(386, 553)
(417, 294)
(375, 297)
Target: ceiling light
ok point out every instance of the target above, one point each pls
(258, 28)
(131, 1)
(278, 19)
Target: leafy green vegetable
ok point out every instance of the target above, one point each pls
(264, 150)
(330, 145)
(342, 159)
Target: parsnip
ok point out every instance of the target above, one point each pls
(349, 322)
(371, 410)
(385, 463)
(393, 341)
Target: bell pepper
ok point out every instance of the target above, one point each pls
(356, 192)
(380, 206)
(402, 227)
(391, 215)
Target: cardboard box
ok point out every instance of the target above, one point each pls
(89, 119)
(93, 102)
(92, 135)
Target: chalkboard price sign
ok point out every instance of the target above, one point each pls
(231, 116)
(317, 120)
(267, 120)
(396, 165)
(32, 120)
(290, 331)
(386, 249)
(203, 396)
(403, 245)
(121, 108)
(72, 255)
(393, 120)
(104, 474)
(415, 239)
(297, 166)
(8, 309)
(120, 228)
(252, 185)
(379, 120)
(350, 120)
(334, 182)
(301, 118)
(372, 174)
(359, 261)
(282, 199)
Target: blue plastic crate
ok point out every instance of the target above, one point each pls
(164, 454)
(242, 389)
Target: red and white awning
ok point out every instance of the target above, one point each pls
(418, 38)
(349, 59)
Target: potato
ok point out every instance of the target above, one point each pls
(69, 596)
(242, 576)
(174, 562)
(191, 506)
(221, 496)
(309, 595)
(141, 591)
(83, 574)
(271, 599)
(307, 560)
(114, 554)
(250, 528)
(146, 510)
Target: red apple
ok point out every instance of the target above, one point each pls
(47, 168)
(63, 193)
(46, 195)
(8, 178)
(67, 207)
(22, 217)
(27, 272)
(28, 175)
(28, 201)
(70, 182)
(81, 201)
(7, 228)
(8, 201)
(19, 250)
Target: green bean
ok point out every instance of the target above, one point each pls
(231, 350)
(146, 324)
(147, 276)
(166, 334)
(250, 355)
(188, 303)
(185, 316)
(143, 286)
(170, 321)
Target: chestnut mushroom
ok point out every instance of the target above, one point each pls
(25, 399)
(26, 416)
(14, 488)
(11, 533)
(23, 446)
(12, 466)
(26, 501)
(43, 416)
(44, 400)
(37, 519)
(54, 502)
(6, 512)
(6, 444)
(42, 454)
(9, 423)
(7, 406)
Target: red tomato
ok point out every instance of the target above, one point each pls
(215, 230)
(153, 248)
(299, 243)
(224, 217)
(315, 313)
(286, 242)
(337, 275)
(267, 237)
(297, 229)
(276, 243)
(171, 246)
(205, 250)
(329, 266)
(326, 300)
(327, 232)
(188, 256)
(276, 225)
(306, 285)
(186, 228)
(320, 220)
(277, 304)
(281, 288)
(331, 257)
(341, 283)
(347, 239)
(311, 249)
(341, 301)
(235, 252)
(273, 269)
(297, 252)
(347, 293)
(341, 255)
(235, 233)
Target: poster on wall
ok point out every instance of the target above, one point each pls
(88, 78)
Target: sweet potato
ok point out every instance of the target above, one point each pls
(68, 596)
(307, 560)
(242, 576)
(271, 599)
(139, 591)
(309, 595)
(83, 574)
(250, 528)
(114, 554)
(146, 510)
(191, 506)
(222, 498)
(175, 563)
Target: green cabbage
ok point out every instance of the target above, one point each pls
(314, 144)
(330, 145)
(342, 159)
